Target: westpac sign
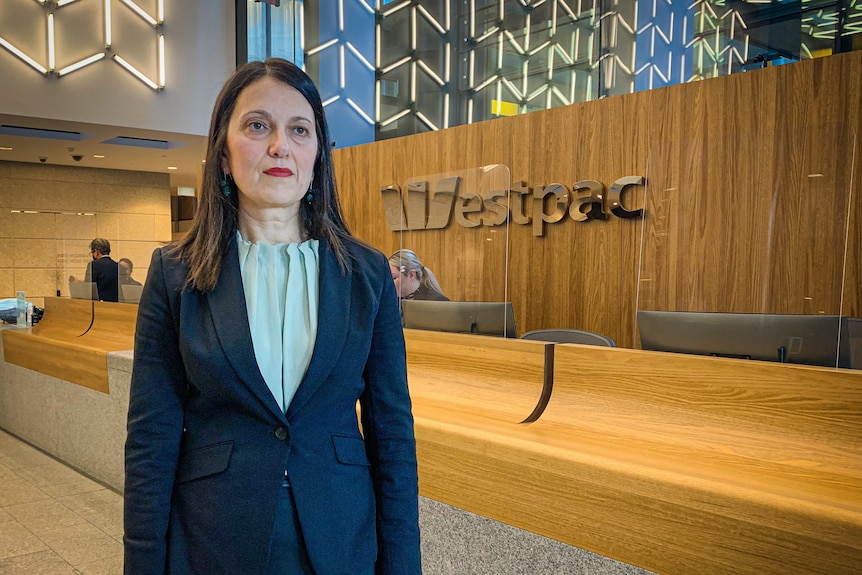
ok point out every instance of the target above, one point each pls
(428, 203)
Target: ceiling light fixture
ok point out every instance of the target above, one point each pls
(161, 60)
(107, 23)
(172, 168)
(134, 71)
(98, 156)
(80, 64)
(33, 63)
(5, 149)
(137, 10)
(51, 58)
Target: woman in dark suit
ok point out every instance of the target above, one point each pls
(257, 334)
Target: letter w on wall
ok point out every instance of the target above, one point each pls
(421, 209)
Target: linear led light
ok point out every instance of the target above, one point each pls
(161, 60)
(51, 41)
(81, 63)
(360, 111)
(36, 65)
(107, 23)
(341, 66)
(161, 11)
(137, 10)
(134, 71)
(322, 47)
(394, 118)
(62, 3)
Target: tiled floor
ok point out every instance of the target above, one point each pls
(53, 520)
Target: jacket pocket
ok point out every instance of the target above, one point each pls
(350, 449)
(204, 461)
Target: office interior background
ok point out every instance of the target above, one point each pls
(108, 84)
(594, 160)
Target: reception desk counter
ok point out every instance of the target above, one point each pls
(675, 464)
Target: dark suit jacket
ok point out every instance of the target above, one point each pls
(208, 446)
(105, 272)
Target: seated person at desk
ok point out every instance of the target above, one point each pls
(412, 279)
(103, 271)
(126, 273)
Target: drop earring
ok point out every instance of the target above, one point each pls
(225, 183)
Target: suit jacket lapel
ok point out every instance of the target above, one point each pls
(226, 303)
(333, 318)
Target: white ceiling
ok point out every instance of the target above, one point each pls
(186, 157)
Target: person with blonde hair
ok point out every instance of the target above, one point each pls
(412, 279)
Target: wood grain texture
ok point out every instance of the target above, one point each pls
(739, 219)
(73, 340)
(458, 372)
(677, 464)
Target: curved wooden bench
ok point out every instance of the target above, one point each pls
(73, 340)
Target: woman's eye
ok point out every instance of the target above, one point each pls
(257, 126)
(300, 131)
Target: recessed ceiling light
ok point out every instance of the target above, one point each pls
(172, 167)
(5, 149)
(98, 156)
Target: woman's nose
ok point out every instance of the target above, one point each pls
(279, 147)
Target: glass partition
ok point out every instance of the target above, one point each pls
(744, 244)
(47, 253)
(453, 244)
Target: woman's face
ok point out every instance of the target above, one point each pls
(271, 146)
(405, 284)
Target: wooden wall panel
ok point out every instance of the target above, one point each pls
(738, 218)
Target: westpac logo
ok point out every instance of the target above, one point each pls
(429, 202)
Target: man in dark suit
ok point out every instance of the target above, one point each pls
(102, 271)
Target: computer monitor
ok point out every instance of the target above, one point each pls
(130, 293)
(825, 340)
(83, 290)
(478, 317)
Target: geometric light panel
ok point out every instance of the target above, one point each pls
(51, 67)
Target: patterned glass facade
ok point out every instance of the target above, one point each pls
(399, 67)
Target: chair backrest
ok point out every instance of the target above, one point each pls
(569, 336)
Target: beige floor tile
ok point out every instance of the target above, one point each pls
(16, 540)
(6, 473)
(41, 515)
(111, 566)
(81, 544)
(40, 563)
(24, 456)
(104, 509)
(57, 480)
(16, 491)
(75, 486)
(4, 517)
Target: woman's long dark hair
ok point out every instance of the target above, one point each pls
(215, 224)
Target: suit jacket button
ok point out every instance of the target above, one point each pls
(281, 433)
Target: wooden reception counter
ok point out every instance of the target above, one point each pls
(676, 464)
(73, 340)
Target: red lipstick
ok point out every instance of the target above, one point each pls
(279, 172)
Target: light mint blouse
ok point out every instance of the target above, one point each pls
(280, 284)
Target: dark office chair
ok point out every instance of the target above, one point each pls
(569, 336)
